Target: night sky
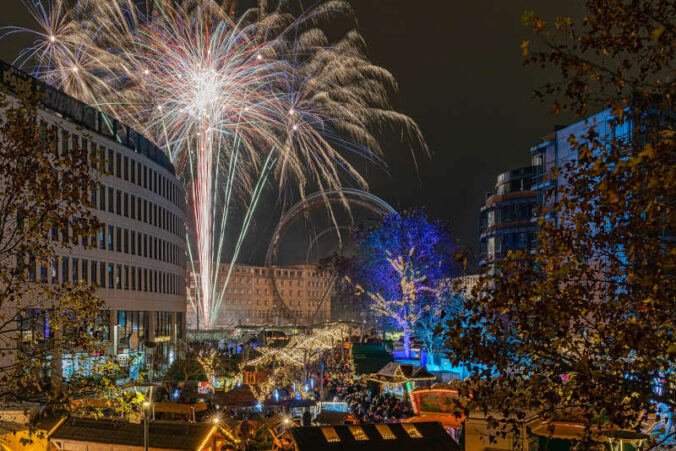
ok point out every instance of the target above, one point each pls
(460, 75)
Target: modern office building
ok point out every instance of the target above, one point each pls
(506, 219)
(258, 295)
(138, 258)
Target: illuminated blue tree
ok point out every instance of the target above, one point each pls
(404, 262)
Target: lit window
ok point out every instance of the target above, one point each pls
(330, 434)
(358, 433)
(385, 432)
(411, 430)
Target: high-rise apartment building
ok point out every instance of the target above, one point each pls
(258, 295)
(507, 218)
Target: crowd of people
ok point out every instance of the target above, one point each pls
(365, 405)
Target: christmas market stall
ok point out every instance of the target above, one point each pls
(441, 403)
(400, 378)
(238, 398)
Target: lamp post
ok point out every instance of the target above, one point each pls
(146, 424)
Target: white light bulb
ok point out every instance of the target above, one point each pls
(295, 127)
(52, 38)
(74, 68)
(259, 57)
(146, 71)
(292, 111)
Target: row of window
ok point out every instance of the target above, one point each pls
(291, 303)
(114, 238)
(106, 275)
(278, 272)
(507, 213)
(121, 166)
(267, 292)
(130, 206)
(496, 247)
(35, 327)
(265, 314)
(299, 283)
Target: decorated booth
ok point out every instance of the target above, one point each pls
(399, 379)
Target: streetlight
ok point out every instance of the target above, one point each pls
(146, 424)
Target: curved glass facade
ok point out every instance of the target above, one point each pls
(506, 219)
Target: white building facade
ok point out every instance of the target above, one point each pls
(138, 257)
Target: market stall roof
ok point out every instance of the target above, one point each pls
(331, 417)
(163, 435)
(574, 431)
(241, 396)
(448, 420)
(395, 372)
(368, 357)
(375, 437)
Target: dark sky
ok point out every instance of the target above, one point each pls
(460, 75)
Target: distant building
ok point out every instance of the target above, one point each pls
(506, 219)
(258, 295)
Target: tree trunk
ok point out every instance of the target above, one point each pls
(407, 343)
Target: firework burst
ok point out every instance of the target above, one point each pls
(232, 102)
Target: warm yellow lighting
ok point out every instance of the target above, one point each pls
(56, 426)
(358, 433)
(52, 38)
(206, 439)
(411, 430)
(385, 432)
(330, 434)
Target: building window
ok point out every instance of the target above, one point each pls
(102, 272)
(76, 270)
(111, 276)
(118, 202)
(95, 273)
(110, 237)
(110, 200)
(125, 168)
(85, 270)
(64, 269)
(118, 277)
(133, 207)
(102, 198)
(111, 161)
(102, 238)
